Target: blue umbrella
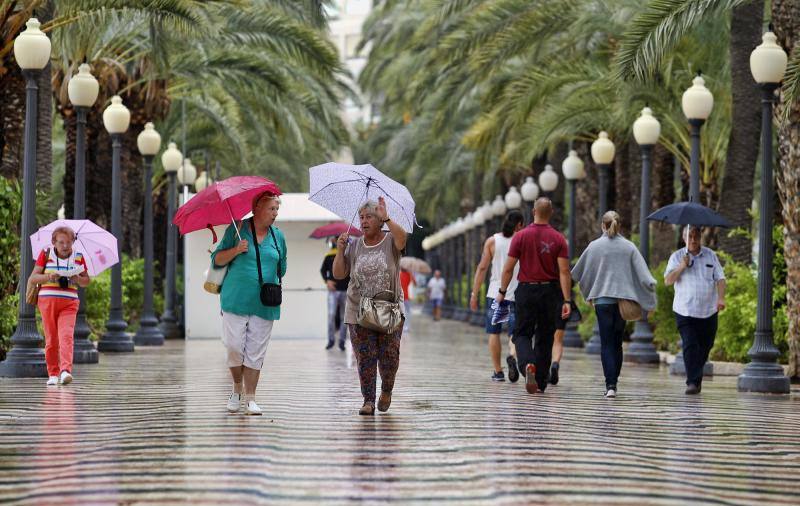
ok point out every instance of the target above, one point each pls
(689, 213)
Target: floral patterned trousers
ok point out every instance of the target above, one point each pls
(375, 351)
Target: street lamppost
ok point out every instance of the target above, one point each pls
(499, 211)
(459, 229)
(116, 119)
(82, 90)
(763, 374)
(171, 160)
(478, 219)
(530, 191)
(602, 155)
(697, 103)
(148, 142)
(186, 177)
(450, 272)
(646, 130)
(26, 358)
(469, 250)
(512, 199)
(548, 181)
(572, 167)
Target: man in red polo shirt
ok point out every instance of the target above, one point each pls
(542, 294)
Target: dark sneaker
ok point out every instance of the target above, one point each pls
(530, 379)
(384, 401)
(341, 345)
(692, 389)
(498, 376)
(554, 374)
(513, 372)
(330, 345)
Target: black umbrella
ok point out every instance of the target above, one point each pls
(689, 213)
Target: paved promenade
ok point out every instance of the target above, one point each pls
(151, 427)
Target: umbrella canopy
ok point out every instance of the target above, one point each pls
(333, 230)
(689, 213)
(99, 246)
(414, 264)
(222, 202)
(342, 189)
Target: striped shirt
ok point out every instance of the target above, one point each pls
(696, 288)
(54, 264)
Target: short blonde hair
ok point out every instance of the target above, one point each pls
(611, 224)
(63, 230)
(258, 197)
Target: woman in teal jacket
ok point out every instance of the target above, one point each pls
(246, 322)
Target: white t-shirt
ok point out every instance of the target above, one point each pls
(437, 287)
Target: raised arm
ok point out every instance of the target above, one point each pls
(339, 265)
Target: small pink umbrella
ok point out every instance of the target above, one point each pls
(333, 229)
(222, 202)
(98, 245)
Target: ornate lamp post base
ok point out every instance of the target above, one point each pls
(593, 346)
(116, 339)
(642, 350)
(84, 352)
(678, 367)
(149, 333)
(763, 377)
(572, 339)
(170, 328)
(24, 363)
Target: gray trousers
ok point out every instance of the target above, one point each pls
(336, 302)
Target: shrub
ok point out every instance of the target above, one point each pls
(10, 214)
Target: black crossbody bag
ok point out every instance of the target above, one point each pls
(271, 295)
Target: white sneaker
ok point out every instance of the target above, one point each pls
(611, 393)
(66, 378)
(52, 381)
(252, 408)
(234, 402)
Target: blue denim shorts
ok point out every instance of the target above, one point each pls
(497, 329)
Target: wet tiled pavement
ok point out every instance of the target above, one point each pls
(151, 427)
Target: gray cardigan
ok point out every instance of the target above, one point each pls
(615, 268)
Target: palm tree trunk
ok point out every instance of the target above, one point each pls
(587, 227)
(12, 119)
(786, 18)
(737, 182)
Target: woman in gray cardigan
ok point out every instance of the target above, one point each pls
(611, 268)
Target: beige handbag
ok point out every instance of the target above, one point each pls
(630, 310)
(216, 275)
(380, 313)
(32, 290)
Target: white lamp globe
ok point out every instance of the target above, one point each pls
(498, 206)
(171, 158)
(697, 101)
(459, 228)
(83, 87)
(529, 190)
(646, 128)
(201, 183)
(487, 210)
(513, 199)
(768, 60)
(32, 47)
(469, 223)
(478, 217)
(426, 244)
(148, 141)
(573, 166)
(116, 117)
(603, 149)
(188, 173)
(548, 179)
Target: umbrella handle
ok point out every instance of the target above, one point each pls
(233, 221)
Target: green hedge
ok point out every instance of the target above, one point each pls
(10, 213)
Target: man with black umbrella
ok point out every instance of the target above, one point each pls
(699, 296)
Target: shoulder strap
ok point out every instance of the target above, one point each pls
(258, 255)
(278, 266)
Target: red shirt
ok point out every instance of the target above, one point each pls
(538, 248)
(405, 280)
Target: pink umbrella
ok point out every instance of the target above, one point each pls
(333, 229)
(222, 202)
(99, 246)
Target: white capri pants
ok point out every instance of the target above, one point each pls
(246, 339)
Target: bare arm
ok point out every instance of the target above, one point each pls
(672, 276)
(399, 236)
(81, 279)
(339, 265)
(480, 272)
(226, 256)
(565, 279)
(721, 294)
(38, 277)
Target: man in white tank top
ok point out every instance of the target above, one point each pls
(495, 252)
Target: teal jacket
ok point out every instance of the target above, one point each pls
(240, 290)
